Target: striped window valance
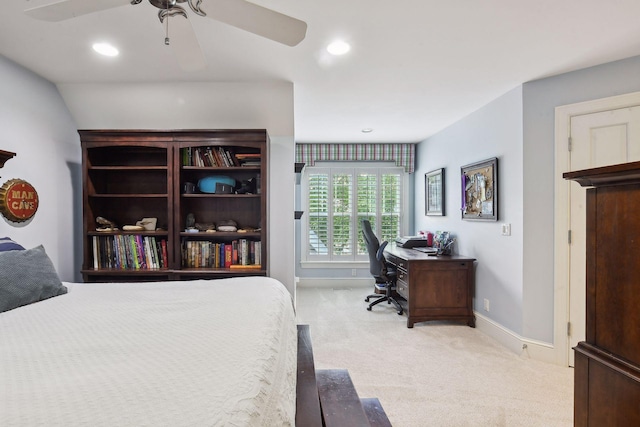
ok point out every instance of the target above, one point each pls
(402, 154)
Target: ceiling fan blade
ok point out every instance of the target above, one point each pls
(257, 20)
(67, 9)
(184, 43)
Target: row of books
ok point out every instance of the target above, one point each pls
(241, 253)
(129, 252)
(218, 157)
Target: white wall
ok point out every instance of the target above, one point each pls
(493, 131)
(267, 105)
(36, 125)
(263, 105)
(282, 180)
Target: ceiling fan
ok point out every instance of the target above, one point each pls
(238, 13)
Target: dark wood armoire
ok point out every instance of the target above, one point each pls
(607, 363)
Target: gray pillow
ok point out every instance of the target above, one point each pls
(26, 277)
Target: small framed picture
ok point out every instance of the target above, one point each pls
(434, 192)
(480, 190)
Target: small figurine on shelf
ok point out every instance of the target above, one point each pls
(105, 224)
(190, 224)
(206, 227)
(247, 187)
(227, 225)
(149, 224)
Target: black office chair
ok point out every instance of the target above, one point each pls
(383, 274)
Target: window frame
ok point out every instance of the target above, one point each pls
(353, 167)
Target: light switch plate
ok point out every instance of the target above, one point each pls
(506, 229)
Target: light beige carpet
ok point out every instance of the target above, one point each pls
(436, 374)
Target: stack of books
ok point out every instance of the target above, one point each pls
(249, 159)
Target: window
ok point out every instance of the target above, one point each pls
(339, 197)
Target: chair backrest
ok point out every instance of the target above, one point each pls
(376, 266)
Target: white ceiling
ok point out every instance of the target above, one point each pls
(415, 67)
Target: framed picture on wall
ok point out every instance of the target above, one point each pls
(434, 192)
(480, 190)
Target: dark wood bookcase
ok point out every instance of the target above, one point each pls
(129, 175)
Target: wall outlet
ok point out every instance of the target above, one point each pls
(486, 305)
(354, 272)
(506, 229)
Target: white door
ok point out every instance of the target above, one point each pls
(597, 139)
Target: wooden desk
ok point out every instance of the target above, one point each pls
(434, 287)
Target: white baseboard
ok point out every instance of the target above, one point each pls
(338, 282)
(525, 347)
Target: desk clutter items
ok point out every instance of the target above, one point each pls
(412, 241)
(427, 235)
(443, 241)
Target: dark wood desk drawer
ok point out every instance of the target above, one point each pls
(398, 262)
(402, 288)
(403, 276)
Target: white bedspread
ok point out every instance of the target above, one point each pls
(197, 353)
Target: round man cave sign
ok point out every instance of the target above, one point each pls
(18, 200)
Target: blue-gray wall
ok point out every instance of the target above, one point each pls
(36, 125)
(540, 99)
(493, 131)
(516, 273)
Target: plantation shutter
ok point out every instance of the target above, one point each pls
(318, 214)
(339, 198)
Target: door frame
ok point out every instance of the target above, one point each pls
(563, 115)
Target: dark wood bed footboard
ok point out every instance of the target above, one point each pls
(328, 397)
(307, 400)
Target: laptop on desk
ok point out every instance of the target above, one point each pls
(426, 250)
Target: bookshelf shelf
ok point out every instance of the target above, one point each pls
(221, 196)
(133, 174)
(132, 195)
(220, 169)
(128, 168)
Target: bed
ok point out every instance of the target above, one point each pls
(195, 353)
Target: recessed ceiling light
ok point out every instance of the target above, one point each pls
(338, 48)
(105, 49)
(367, 130)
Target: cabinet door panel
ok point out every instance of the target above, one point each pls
(441, 288)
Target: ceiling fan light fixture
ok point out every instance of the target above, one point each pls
(105, 49)
(338, 47)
